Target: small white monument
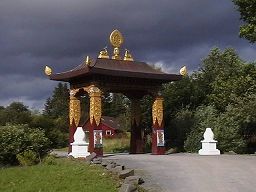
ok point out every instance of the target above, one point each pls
(79, 146)
(209, 144)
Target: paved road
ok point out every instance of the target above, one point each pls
(194, 173)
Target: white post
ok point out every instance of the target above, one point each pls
(79, 146)
(209, 144)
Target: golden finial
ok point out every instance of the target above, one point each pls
(47, 70)
(88, 61)
(103, 54)
(183, 71)
(116, 40)
(128, 56)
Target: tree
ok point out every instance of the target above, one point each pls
(55, 121)
(224, 82)
(17, 113)
(224, 77)
(247, 10)
(2, 116)
(58, 104)
(114, 104)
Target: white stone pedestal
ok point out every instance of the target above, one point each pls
(209, 144)
(79, 146)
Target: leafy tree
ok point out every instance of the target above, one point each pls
(224, 76)
(224, 82)
(16, 113)
(247, 10)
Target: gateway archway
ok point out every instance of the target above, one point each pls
(132, 78)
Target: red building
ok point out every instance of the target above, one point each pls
(110, 126)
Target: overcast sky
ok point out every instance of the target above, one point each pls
(59, 33)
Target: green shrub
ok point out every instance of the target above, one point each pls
(27, 158)
(181, 125)
(224, 126)
(50, 160)
(16, 139)
(204, 116)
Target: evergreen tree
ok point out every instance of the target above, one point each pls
(58, 104)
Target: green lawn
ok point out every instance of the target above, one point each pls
(66, 175)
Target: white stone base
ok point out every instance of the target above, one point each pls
(79, 150)
(204, 152)
(209, 148)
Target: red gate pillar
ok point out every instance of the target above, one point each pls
(95, 129)
(74, 117)
(158, 147)
(137, 133)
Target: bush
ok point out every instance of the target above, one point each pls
(224, 126)
(205, 116)
(50, 160)
(181, 125)
(15, 139)
(27, 158)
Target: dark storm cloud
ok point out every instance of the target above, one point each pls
(60, 33)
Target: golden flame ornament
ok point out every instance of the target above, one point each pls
(183, 71)
(47, 70)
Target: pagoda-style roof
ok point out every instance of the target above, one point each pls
(115, 68)
(116, 73)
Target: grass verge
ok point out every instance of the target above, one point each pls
(64, 175)
(116, 145)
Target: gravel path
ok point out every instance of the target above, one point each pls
(193, 173)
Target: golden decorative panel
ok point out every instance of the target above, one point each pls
(95, 104)
(74, 110)
(157, 110)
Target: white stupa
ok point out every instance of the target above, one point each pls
(209, 144)
(79, 146)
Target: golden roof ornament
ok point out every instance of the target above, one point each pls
(128, 55)
(116, 40)
(88, 61)
(47, 70)
(183, 71)
(103, 54)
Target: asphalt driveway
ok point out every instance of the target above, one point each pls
(193, 173)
